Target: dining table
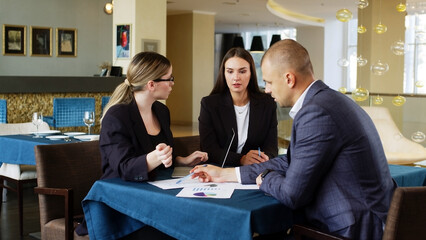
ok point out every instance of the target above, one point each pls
(114, 208)
(19, 149)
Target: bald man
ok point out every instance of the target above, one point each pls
(335, 169)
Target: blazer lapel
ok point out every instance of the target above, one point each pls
(140, 130)
(227, 117)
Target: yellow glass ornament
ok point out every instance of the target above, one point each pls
(419, 84)
(418, 137)
(398, 101)
(362, 4)
(378, 100)
(360, 94)
(344, 15)
(362, 29)
(343, 90)
(401, 7)
(380, 28)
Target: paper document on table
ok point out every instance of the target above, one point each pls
(172, 183)
(207, 191)
(246, 186)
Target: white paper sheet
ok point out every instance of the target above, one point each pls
(208, 191)
(172, 184)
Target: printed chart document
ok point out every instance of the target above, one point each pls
(207, 191)
(172, 184)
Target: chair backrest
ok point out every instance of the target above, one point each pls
(69, 112)
(69, 165)
(407, 214)
(3, 111)
(398, 149)
(105, 100)
(183, 146)
(21, 128)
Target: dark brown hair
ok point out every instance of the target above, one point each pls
(221, 86)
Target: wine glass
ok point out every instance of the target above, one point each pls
(89, 119)
(37, 120)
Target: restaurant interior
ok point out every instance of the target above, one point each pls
(62, 55)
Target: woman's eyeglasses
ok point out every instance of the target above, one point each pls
(171, 79)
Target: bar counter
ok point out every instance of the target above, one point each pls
(27, 94)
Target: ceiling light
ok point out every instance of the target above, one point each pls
(256, 44)
(108, 8)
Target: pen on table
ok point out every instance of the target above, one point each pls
(187, 176)
(259, 151)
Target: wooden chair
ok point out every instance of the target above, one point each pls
(183, 146)
(66, 173)
(13, 177)
(406, 217)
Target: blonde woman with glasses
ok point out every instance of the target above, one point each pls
(135, 138)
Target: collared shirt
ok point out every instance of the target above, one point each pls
(293, 111)
(299, 103)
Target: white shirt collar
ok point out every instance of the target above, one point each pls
(299, 103)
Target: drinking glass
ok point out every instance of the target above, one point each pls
(89, 119)
(37, 120)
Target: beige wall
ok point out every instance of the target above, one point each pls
(376, 47)
(203, 56)
(312, 38)
(190, 47)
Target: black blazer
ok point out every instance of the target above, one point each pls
(124, 141)
(217, 118)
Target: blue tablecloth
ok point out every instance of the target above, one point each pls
(114, 208)
(19, 149)
(406, 176)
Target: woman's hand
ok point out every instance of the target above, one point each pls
(210, 173)
(161, 155)
(253, 157)
(193, 159)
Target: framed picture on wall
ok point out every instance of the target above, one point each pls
(123, 38)
(14, 40)
(66, 42)
(40, 41)
(149, 45)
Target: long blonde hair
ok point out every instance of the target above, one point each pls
(144, 67)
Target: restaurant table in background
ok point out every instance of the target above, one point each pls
(114, 208)
(19, 149)
(406, 176)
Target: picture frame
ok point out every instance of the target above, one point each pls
(123, 41)
(151, 45)
(14, 40)
(41, 41)
(66, 42)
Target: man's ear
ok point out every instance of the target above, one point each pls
(290, 79)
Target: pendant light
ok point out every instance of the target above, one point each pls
(275, 38)
(256, 44)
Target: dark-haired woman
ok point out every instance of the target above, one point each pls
(236, 105)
